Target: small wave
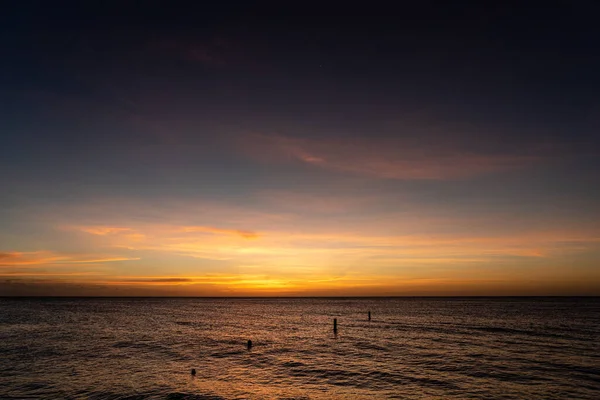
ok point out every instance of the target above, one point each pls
(225, 354)
(187, 396)
(400, 379)
(369, 346)
(293, 364)
(150, 348)
(154, 395)
(512, 331)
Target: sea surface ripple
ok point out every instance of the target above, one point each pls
(144, 348)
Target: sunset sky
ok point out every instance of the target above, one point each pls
(166, 150)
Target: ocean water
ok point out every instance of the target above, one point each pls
(481, 348)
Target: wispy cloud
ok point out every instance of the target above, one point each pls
(144, 231)
(243, 281)
(235, 250)
(39, 274)
(103, 230)
(387, 158)
(144, 280)
(38, 258)
(220, 231)
(296, 246)
(330, 286)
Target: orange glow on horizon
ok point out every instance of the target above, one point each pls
(253, 253)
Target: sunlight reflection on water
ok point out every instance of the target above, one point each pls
(413, 348)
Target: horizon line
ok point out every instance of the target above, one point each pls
(295, 297)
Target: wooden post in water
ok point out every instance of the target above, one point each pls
(249, 344)
(335, 325)
(369, 315)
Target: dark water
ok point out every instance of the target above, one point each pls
(540, 348)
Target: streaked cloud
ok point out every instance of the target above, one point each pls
(39, 274)
(220, 231)
(387, 158)
(284, 242)
(299, 245)
(144, 280)
(241, 284)
(103, 230)
(38, 258)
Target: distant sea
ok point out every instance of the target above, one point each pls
(145, 348)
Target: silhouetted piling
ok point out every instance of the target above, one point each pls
(335, 325)
(369, 315)
(193, 372)
(249, 344)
